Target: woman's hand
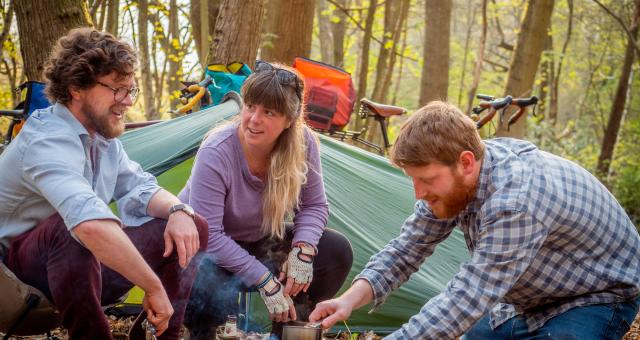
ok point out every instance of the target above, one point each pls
(298, 269)
(280, 306)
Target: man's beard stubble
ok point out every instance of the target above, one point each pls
(101, 124)
(458, 199)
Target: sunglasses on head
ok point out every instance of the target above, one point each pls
(285, 77)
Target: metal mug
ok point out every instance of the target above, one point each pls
(298, 330)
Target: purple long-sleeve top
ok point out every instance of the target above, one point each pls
(223, 190)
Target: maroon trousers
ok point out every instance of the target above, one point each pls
(48, 258)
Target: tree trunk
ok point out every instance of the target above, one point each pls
(93, 9)
(553, 108)
(12, 75)
(41, 24)
(159, 42)
(324, 31)
(145, 60)
(403, 48)
(174, 54)
(202, 40)
(338, 29)
(396, 12)
(6, 26)
(471, 16)
(526, 57)
(619, 101)
(113, 13)
(363, 66)
(289, 30)
(477, 71)
(103, 15)
(435, 69)
(546, 75)
(392, 11)
(233, 38)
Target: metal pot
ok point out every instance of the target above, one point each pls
(298, 330)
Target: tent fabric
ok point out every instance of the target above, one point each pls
(160, 147)
(368, 202)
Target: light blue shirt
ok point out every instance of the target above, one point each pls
(48, 168)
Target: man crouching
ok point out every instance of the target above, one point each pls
(58, 178)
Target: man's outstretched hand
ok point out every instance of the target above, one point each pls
(331, 311)
(339, 309)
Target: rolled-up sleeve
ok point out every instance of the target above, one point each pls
(403, 256)
(134, 189)
(311, 217)
(53, 166)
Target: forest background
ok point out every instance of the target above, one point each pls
(580, 57)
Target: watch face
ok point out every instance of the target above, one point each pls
(184, 207)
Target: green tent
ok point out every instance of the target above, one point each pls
(368, 201)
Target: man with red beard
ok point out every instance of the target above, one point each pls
(57, 232)
(553, 254)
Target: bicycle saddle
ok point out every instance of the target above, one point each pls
(381, 109)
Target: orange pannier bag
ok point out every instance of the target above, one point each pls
(329, 94)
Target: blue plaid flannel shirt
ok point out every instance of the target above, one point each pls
(544, 236)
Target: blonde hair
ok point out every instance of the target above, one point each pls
(438, 132)
(287, 167)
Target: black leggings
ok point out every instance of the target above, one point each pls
(215, 291)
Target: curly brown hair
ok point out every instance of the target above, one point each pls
(83, 55)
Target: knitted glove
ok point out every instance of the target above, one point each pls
(271, 291)
(297, 267)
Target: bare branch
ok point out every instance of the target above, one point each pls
(346, 12)
(498, 66)
(622, 24)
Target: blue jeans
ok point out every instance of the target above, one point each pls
(605, 321)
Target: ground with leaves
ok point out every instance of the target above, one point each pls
(120, 327)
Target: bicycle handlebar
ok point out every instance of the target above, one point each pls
(524, 102)
(19, 114)
(495, 104)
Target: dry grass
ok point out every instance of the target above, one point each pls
(634, 332)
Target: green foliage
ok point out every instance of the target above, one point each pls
(626, 170)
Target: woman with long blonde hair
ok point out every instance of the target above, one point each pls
(258, 182)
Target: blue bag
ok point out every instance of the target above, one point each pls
(226, 78)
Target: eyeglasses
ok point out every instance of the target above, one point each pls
(120, 93)
(285, 77)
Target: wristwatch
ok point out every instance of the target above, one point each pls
(183, 207)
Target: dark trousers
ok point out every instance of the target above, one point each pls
(215, 291)
(48, 258)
